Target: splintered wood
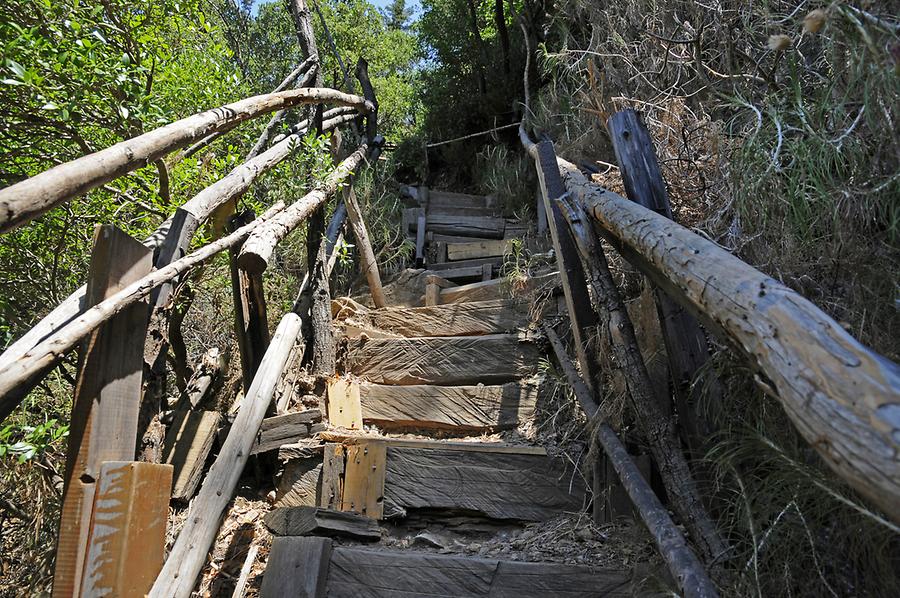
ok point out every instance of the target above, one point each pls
(188, 443)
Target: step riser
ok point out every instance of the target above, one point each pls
(489, 359)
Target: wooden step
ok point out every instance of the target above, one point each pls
(461, 211)
(481, 273)
(495, 263)
(460, 200)
(458, 319)
(463, 408)
(477, 249)
(355, 572)
(486, 227)
(488, 359)
(385, 478)
(496, 288)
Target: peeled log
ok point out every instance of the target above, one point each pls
(843, 397)
(189, 553)
(32, 197)
(258, 248)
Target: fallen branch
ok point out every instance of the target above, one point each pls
(680, 560)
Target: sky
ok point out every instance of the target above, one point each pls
(414, 4)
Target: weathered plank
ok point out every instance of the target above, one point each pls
(364, 475)
(460, 200)
(462, 211)
(496, 289)
(332, 483)
(297, 567)
(495, 262)
(356, 572)
(315, 521)
(344, 409)
(492, 358)
(487, 227)
(473, 272)
(283, 429)
(477, 249)
(300, 483)
(460, 407)
(107, 396)
(187, 445)
(500, 485)
(128, 529)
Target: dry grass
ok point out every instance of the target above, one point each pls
(789, 157)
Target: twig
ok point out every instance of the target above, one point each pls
(495, 129)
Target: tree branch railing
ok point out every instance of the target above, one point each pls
(30, 358)
(32, 197)
(843, 397)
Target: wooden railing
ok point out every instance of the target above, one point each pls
(843, 397)
(120, 319)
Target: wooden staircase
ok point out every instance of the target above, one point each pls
(451, 374)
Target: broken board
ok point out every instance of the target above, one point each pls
(315, 521)
(507, 485)
(283, 429)
(488, 359)
(188, 443)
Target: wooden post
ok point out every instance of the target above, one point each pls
(188, 555)
(686, 345)
(251, 322)
(366, 254)
(107, 396)
(128, 529)
(581, 317)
